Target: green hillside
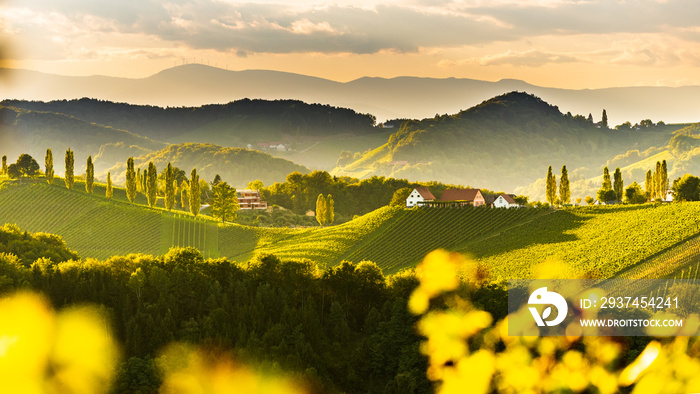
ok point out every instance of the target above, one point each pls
(637, 241)
(500, 144)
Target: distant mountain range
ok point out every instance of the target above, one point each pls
(402, 97)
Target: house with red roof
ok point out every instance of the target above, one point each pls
(419, 196)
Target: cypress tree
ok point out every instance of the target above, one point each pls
(70, 161)
(564, 187)
(169, 187)
(130, 180)
(109, 192)
(618, 185)
(648, 185)
(607, 185)
(184, 198)
(3, 171)
(195, 194)
(48, 161)
(590, 118)
(152, 184)
(604, 121)
(321, 210)
(330, 210)
(89, 175)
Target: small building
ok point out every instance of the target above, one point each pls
(310, 213)
(250, 199)
(460, 198)
(504, 201)
(419, 196)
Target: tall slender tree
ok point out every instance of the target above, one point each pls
(48, 163)
(551, 185)
(657, 180)
(139, 181)
(195, 193)
(130, 181)
(169, 187)
(152, 184)
(664, 179)
(3, 171)
(607, 185)
(321, 210)
(604, 121)
(330, 210)
(109, 192)
(70, 162)
(618, 185)
(648, 185)
(184, 195)
(564, 187)
(144, 180)
(89, 175)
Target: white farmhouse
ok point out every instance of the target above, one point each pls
(505, 201)
(419, 195)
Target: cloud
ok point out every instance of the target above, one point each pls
(361, 28)
(531, 58)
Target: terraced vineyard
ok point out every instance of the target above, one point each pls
(681, 261)
(406, 240)
(592, 241)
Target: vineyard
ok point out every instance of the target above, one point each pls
(595, 242)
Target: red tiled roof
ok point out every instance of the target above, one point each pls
(425, 193)
(459, 195)
(508, 198)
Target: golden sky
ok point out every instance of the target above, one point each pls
(557, 43)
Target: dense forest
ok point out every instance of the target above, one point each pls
(344, 329)
(291, 116)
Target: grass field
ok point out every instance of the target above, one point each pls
(645, 241)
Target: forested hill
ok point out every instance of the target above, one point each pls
(237, 166)
(502, 143)
(280, 118)
(33, 131)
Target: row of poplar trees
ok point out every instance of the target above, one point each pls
(69, 178)
(564, 187)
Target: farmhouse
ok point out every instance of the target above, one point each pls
(418, 196)
(461, 198)
(503, 201)
(250, 199)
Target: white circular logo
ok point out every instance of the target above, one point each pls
(543, 297)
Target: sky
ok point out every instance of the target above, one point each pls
(558, 43)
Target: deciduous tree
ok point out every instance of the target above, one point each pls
(27, 165)
(648, 185)
(551, 184)
(70, 162)
(330, 210)
(618, 185)
(604, 120)
(184, 195)
(48, 163)
(224, 203)
(686, 188)
(3, 171)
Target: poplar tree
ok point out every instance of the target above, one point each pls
(139, 181)
(330, 210)
(607, 185)
(144, 181)
(169, 187)
(48, 162)
(70, 161)
(3, 171)
(89, 175)
(648, 185)
(109, 192)
(664, 179)
(130, 180)
(195, 194)
(184, 198)
(321, 210)
(152, 184)
(564, 187)
(657, 180)
(618, 186)
(604, 121)
(551, 191)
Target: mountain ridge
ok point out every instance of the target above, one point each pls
(386, 98)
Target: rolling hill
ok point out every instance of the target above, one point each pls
(600, 242)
